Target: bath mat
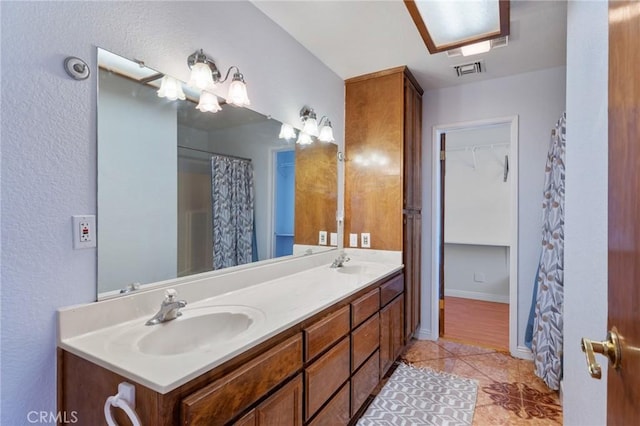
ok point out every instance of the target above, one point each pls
(418, 396)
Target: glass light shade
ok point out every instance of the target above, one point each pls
(238, 93)
(476, 48)
(304, 139)
(287, 132)
(208, 102)
(326, 133)
(310, 126)
(201, 77)
(171, 89)
(454, 21)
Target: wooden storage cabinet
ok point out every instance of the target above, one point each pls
(319, 372)
(383, 118)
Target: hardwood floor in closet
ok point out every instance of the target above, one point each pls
(477, 322)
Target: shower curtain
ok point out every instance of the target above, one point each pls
(233, 211)
(545, 328)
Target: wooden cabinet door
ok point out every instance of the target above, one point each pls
(283, 407)
(412, 148)
(391, 333)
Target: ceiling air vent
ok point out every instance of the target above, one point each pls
(495, 43)
(470, 68)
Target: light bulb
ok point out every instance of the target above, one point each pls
(304, 139)
(201, 77)
(238, 91)
(287, 132)
(208, 102)
(310, 126)
(326, 133)
(171, 89)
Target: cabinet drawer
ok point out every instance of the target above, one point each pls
(364, 381)
(220, 401)
(325, 376)
(336, 412)
(326, 332)
(391, 289)
(365, 306)
(364, 340)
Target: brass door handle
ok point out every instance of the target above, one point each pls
(609, 348)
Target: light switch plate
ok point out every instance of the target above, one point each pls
(84, 231)
(353, 240)
(333, 239)
(365, 240)
(322, 238)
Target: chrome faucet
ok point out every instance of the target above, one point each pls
(340, 260)
(169, 309)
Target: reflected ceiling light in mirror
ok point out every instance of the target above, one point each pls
(304, 139)
(446, 25)
(310, 123)
(205, 74)
(287, 132)
(208, 102)
(326, 131)
(171, 89)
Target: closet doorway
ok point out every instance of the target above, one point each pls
(475, 212)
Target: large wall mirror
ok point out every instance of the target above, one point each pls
(178, 188)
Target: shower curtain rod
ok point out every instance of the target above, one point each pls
(215, 153)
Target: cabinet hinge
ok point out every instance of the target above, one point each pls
(443, 155)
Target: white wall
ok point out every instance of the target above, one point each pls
(49, 144)
(477, 272)
(138, 185)
(585, 273)
(538, 98)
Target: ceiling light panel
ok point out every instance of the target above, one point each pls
(450, 22)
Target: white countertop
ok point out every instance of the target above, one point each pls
(278, 303)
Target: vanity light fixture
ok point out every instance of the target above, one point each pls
(171, 89)
(309, 121)
(447, 25)
(287, 131)
(326, 131)
(205, 74)
(208, 102)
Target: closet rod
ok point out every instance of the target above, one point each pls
(215, 153)
(473, 147)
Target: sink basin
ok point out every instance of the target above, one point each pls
(357, 270)
(198, 329)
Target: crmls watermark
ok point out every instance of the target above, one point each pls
(52, 417)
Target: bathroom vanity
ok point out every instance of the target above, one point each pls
(306, 347)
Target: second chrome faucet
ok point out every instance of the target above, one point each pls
(169, 308)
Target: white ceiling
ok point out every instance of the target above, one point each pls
(355, 37)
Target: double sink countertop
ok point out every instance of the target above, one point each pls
(162, 357)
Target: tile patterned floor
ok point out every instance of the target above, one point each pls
(509, 393)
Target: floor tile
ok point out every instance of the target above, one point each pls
(422, 350)
(460, 349)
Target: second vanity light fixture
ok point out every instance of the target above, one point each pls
(205, 75)
(311, 128)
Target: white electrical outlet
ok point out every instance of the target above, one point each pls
(322, 238)
(478, 277)
(84, 231)
(333, 239)
(353, 240)
(365, 240)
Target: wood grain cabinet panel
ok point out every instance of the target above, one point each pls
(284, 407)
(365, 306)
(326, 332)
(391, 333)
(226, 397)
(364, 340)
(336, 412)
(390, 289)
(364, 381)
(325, 376)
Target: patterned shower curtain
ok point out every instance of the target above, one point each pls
(232, 207)
(547, 329)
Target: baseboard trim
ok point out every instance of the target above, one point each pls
(422, 334)
(499, 298)
(522, 352)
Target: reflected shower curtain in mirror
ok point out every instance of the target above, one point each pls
(232, 207)
(548, 298)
